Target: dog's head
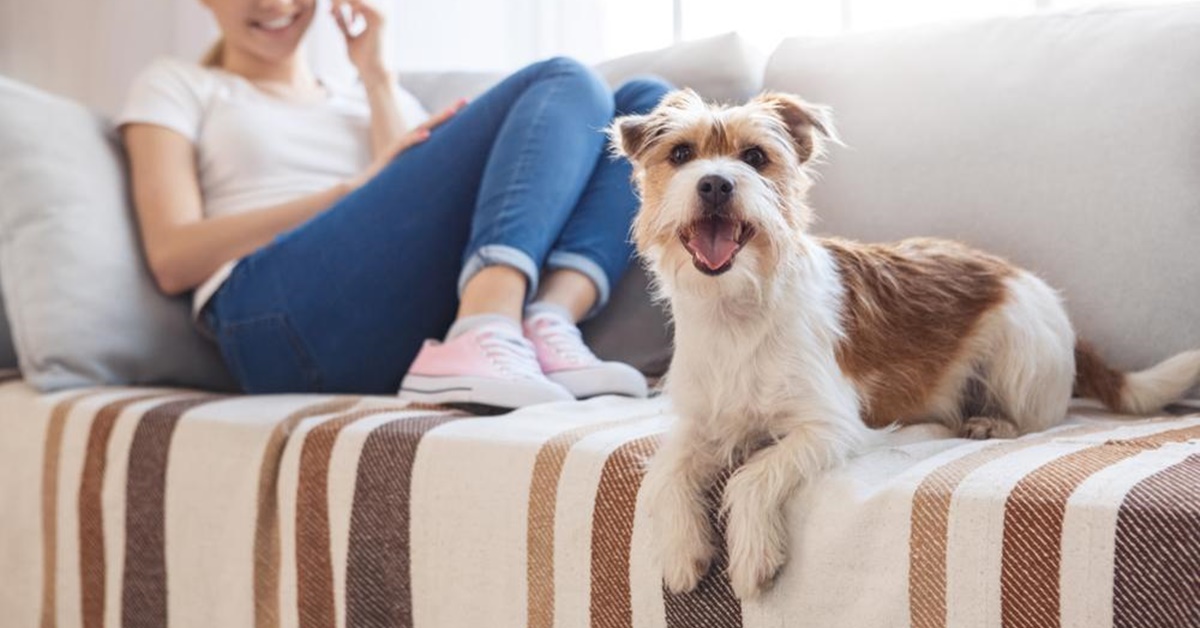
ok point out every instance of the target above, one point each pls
(723, 188)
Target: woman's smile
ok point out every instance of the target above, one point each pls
(278, 25)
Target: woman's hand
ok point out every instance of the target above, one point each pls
(406, 141)
(365, 47)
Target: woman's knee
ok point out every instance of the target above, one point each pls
(641, 94)
(584, 80)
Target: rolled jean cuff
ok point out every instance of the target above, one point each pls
(590, 269)
(500, 255)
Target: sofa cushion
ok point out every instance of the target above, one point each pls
(1066, 142)
(83, 308)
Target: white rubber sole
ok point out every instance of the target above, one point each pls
(614, 378)
(481, 390)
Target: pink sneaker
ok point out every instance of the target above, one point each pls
(567, 361)
(490, 365)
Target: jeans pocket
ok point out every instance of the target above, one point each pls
(266, 355)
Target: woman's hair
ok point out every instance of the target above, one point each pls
(215, 55)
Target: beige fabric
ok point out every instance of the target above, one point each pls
(143, 506)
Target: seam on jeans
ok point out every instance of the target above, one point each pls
(300, 352)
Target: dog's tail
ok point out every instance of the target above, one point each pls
(1143, 392)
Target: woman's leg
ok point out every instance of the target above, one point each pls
(588, 259)
(595, 241)
(343, 302)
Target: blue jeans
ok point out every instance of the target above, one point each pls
(520, 177)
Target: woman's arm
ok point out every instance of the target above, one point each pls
(387, 124)
(182, 247)
(365, 49)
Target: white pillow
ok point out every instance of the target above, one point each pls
(723, 68)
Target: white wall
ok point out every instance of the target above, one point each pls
(90, 50)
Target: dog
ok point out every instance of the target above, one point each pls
(792, 352)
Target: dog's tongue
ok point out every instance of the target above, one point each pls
(713, 242)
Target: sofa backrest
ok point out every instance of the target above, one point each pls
(724, 68)
(1069, 143)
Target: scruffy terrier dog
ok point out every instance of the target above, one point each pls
(789, 348)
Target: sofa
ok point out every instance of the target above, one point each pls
(140, 489)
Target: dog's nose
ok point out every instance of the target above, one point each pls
(714, 189)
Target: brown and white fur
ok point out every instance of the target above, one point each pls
(789, 350)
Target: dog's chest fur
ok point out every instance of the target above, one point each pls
(745, 368)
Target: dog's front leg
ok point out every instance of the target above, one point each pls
(677, 480)
(756, 531)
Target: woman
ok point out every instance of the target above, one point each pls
(327, 235)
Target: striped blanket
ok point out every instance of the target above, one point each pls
(164, 507)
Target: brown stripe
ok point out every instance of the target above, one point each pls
(930, 522)
(712, 603)
(266, 522)
(1157, 563)
(543, 501)
(378, 579)
(314, 568)
(144, 592)
(50, 459)
(1033, 520)
(91, 510)
(612, 532)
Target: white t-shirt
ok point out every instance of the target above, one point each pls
(253, 149)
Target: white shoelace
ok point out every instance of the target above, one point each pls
(564, 339)
(512, 354)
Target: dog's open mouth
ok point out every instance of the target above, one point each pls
(713, 242)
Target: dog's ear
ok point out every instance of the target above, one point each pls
(629, 135)
(632, 135)
(810, 125)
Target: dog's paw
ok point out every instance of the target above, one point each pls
(681, 531)
(754, 536)
(983, 427)
(685, 562)
(755, 566)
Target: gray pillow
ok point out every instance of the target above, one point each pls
(1065, 142)
(83, 308)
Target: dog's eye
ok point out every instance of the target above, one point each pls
(681, 153)
(755, 157)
